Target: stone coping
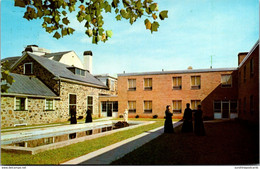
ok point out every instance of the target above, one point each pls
(35, 150)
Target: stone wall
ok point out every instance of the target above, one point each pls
(82, 92)
(36, 113)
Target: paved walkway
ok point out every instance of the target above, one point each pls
(115, 151)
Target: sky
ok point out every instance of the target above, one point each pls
(194, 31)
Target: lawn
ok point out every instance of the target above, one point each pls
(226, 143)
(57, 156)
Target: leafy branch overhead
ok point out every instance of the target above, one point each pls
(55, 19)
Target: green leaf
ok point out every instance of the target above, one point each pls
(19, 3)
(71, 30)
(88, 18)
(108, 8)
(64, 13)
(65, 21)
(154, 27)
(109, 33)
(163, 14)
(118, 17)
(64, 32)
(148, 24)
(153, 6)
(89, 32)
(56, 35)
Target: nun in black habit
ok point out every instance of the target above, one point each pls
(88, 117)
(187, 125)
(168, 127)
(198, 122)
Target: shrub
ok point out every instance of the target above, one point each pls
(80, 117)
(137, 116)
(155, 116)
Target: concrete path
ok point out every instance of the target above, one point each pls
(115, 151)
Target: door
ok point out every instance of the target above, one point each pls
(109, 109)
(225, 109)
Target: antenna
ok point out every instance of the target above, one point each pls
(210, 61)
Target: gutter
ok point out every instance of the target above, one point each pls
(29, 95)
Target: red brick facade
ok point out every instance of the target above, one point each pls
(163, 94)
(248, 80)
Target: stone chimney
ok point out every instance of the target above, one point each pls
(87, 57)
(241, 56)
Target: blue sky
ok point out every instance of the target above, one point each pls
(193, 31)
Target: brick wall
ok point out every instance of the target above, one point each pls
(249, 87)
(162, 93)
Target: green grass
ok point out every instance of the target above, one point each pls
(60, 155)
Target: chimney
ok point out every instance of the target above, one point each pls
(241, 56)
(87, 56)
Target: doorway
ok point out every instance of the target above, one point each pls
(225, 109)
(109, 109)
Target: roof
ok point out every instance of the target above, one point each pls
(56, 56)
(11, 60)
(178, 71)
(29, 85)
(61, 70)
(249, 53)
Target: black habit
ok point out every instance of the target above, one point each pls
(73, 119)
(168, 127)
(88, 117)
(198, 123)
(187, 125)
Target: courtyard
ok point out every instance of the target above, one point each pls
(225, 143)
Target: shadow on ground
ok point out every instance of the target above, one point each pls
(225, 143)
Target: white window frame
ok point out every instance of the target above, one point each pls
(26, 103)
(30, 63)
(90, 104)
(69, 101)
(53, 104)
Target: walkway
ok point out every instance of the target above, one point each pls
(113, 152)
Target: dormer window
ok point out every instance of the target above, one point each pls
(28, 68)
(77, 71)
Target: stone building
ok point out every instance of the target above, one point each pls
(62, 86)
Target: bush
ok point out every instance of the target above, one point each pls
(155, 116)
(121, 116)
(137, 116)
(80, 117)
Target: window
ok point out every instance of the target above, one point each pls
(20, 103)
(28, 69)
(132, 84)
(252, 104)
(251, 67)
(245, 73)
(90, 103)
(194, 104)
(148, 84)
(49, 104)
(217, 106)
(112, 85)
(226, 80)
(104, 106)
(244, 107)
(176, 106)
(148, 106)
(233, 106)
(195, 82)
(131, 106)
(115, 106)
(176, 83)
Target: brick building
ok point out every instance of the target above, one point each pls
(222, 92)
(248, 84)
